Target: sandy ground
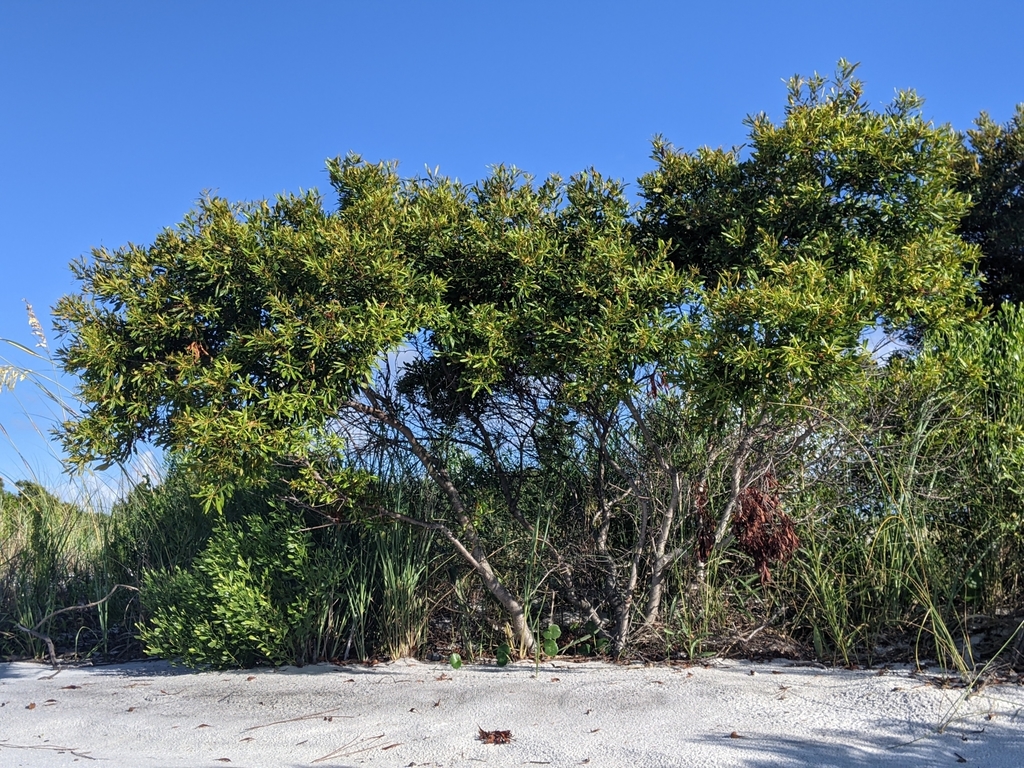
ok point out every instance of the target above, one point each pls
(415, 714)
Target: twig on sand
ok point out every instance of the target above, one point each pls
(69, 750)
(347, 749)
(325, 713)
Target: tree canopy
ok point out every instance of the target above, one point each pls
(993, 174)
(662, 366)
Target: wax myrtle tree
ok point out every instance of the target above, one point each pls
(253, 338)
(555, 317)
(624, 389)
(993, 174)
(840, 221)
(662, 420)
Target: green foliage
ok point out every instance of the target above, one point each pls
(50, 557)
(503, 655)
(551, 635)
(987, 360)
(237, 335)
(917, 528)
(836, 220)
(260, 592)
(993, 175)
(160, 527)
(404, 559)
(594, 392)
(544, 281)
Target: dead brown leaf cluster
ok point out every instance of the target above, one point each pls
(494, 737)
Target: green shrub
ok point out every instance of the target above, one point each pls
(262, 591)
(157, 527)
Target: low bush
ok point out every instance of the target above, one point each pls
(262, 591)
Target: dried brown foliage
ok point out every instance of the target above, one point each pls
(761, 527)
(494, 737)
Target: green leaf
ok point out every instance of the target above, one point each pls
(503, 654)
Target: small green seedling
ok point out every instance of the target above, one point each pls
(548, 645)
(504, 654)
(551, 635)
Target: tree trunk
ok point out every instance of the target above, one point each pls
(474, 554)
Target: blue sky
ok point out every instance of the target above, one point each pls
(116, 116)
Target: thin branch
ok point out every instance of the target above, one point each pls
(34, 631)
(45, 639)
(102, 600)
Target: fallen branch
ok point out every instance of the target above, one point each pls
(751, 635)
(53, 748)
(34, 631)
(102, 600)
(45, 639)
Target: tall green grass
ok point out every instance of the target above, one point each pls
(55, 570)
(51, 557)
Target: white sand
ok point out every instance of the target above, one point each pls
(415, 714)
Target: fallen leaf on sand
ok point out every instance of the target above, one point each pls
(70, 687)
(223, 759)
(735, 735)
(494, 737)
(31, 706)
(204, 725)
(250, 678)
